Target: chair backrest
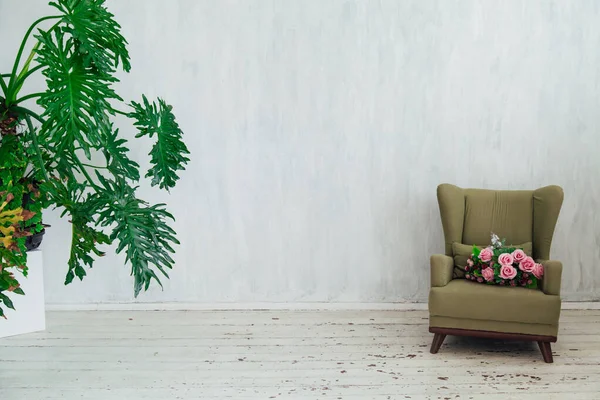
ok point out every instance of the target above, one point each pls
(470, 215)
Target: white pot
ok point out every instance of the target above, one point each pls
(30, 313)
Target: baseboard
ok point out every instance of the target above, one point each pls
(580, 305)
(235, 306)
(269, 306)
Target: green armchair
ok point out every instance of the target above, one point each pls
(461, 307)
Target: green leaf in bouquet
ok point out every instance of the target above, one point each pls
(534, 282)
(476, 251)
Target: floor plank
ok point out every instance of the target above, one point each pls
(106, 355)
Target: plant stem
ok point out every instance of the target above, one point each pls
(121, 112)
(36, 146)
(30, 113)
(3, 85)
(22, 77)
(85, 173)
(93, 166)
(29, 96)
(20, 80)
(23, 42)
(29, 59)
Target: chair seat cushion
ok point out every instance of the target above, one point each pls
(465, 299)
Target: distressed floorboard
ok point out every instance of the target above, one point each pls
(288, 355)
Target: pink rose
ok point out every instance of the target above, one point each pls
(505, 259)
(486, 254)
(538, 270)
(470, 262)
(488, 274)
(519, 255)
(468, 276)
(527, 265)
(507, 272)
(480, 279)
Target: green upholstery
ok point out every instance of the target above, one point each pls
(509, 214)
(551, 280)
(451, 200)
(471, 300)
(469, 216)
(546, 207)
(462, 252)
(442, 267)
(493, 326)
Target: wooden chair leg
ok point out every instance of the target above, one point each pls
(546, 350)
(438, 339)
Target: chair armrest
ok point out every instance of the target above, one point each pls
(552, 276)
(442, 267)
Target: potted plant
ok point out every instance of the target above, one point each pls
(70, 155)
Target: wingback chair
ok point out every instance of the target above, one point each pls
(461, 307)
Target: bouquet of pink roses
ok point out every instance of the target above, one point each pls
(500, 265)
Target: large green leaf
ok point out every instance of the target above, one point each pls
(97, 35)
(81, 206)
(84, 241)
(141, 230)
(116, 155)
(168, 155)
(76, 104)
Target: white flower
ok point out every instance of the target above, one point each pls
(496, 242)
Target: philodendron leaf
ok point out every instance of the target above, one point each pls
(97, 35)
(84, 242)
(168, 155)
(81, 207)
(76, 104)
(117, 155)
(141, 230)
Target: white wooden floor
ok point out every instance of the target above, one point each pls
(129, 355)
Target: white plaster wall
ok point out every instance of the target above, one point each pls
(320, 129)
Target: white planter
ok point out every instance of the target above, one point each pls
(30, 313)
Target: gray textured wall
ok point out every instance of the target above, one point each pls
(320, 129)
